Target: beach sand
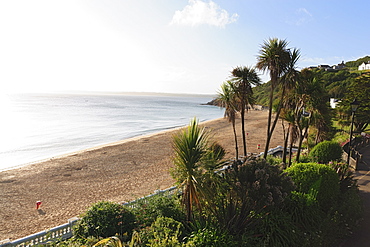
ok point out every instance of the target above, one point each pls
(119, 172)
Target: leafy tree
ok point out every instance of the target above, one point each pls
(359, 90)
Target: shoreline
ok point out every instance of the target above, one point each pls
(134, 138)
(120, 171)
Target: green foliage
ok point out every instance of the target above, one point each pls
(350, 210)
(276, 230)
(357, 62)
(75, 242)
(210, 237)
(359, 90)
(158, 206)
(346, 176)
(111, 241)
(318, 180)
(105, 219)
(265, 184)
(195, 157)
(165, 232)
(326, 151)
(248, 189)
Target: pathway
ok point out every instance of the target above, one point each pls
(360, 237)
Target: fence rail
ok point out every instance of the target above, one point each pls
(59, 232)
(356, 145)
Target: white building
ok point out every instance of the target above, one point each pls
(364, 66)
(333, 102)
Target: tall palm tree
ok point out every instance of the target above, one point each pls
(226, 98)
(276, 58)
(244, 78)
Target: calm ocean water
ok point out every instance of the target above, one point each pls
(36, 127)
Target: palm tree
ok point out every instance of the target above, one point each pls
(226, 98)
(274, 57)
(244, 78)
(288, 116)
(194, 156)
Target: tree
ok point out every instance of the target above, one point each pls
(194, 156)
(291, 134)
(312, 107)
(226, 98)
(243, 79)
(359, 90)
(276, 58)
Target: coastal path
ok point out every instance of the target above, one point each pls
(360, 237)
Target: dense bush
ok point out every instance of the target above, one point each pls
(317, 180)
(148, 211)
(163, 232)
(245, 191)
(210, 237)
(105, 219)
(265, 184)
(326, 151)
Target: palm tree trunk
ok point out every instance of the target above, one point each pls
(269, 121)
(271, 131)
(290, 152)
(299, 145)
(243, 131)
(236, 142)
(301, 138)
(286, 136)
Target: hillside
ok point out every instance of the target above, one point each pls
(335, 82)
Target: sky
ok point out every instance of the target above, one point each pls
(170, 46)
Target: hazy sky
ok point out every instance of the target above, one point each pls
(177, 46)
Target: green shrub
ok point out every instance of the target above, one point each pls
(245, 191)
(326, 151)
(317, 180)
(158, 206)
(164, 232)
(265, 184)
(210, 237)
(307, 216)
(105, 219)
(276, 229)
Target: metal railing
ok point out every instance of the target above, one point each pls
(56, 233)
(356, 145)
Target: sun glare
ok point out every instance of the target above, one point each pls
(13, 126)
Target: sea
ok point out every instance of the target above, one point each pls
(36, 127)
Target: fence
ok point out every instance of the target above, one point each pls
(356, 145)
(65, 231)
(59, 232)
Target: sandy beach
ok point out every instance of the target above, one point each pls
(118, 172)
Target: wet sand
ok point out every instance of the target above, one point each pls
(118, 172)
